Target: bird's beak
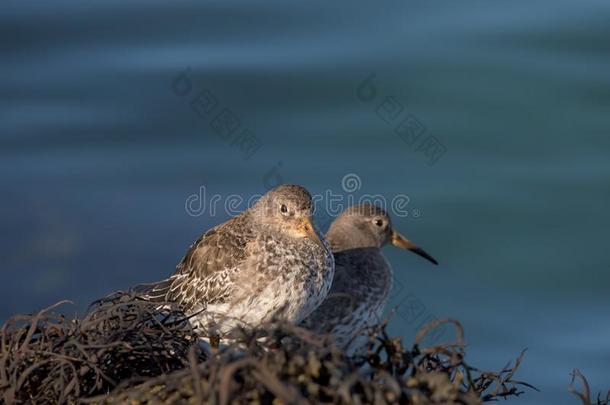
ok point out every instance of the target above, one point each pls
(309, 231)
(402, 242)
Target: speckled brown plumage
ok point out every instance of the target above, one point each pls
(263, 264)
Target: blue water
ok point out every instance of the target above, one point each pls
(99, 152)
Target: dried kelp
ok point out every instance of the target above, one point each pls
(285, 362)
(126, 350)
(46, 358)
(585, 394)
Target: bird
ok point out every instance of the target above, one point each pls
(267, 263)
(363, 277)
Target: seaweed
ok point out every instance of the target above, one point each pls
(46, 358)
(585, 394)
(128, 350)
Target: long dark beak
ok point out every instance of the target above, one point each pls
(400, 241)
(310, 232)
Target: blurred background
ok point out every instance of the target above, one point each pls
(492, 117)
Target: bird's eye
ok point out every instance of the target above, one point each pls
(283, 209)
(378, 222)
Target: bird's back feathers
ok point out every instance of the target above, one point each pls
(202, 276)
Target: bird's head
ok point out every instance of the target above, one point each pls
(287, 210)
(368, 226)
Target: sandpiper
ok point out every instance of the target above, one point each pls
(363, 277)
(269, 262)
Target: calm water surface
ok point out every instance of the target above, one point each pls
(98, 155)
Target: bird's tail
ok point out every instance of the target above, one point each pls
(156, 292)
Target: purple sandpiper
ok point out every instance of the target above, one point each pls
(363, 277)
(267, 263)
